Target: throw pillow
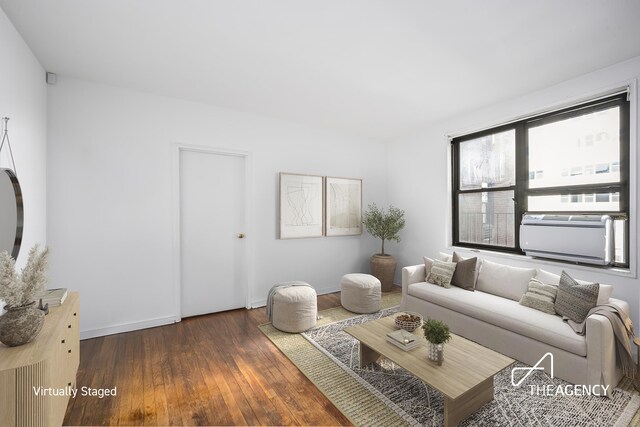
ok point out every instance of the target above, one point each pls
(553, 279)
(443, 256)
(540, 296)
(465, 274)
(604, 294)
(574, 299)
(441, 273)
(428, 262)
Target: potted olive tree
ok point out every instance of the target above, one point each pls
(385, 226)
(438, 334)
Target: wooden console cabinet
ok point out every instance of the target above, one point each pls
(30, 372)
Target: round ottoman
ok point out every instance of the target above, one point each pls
(360, 293)
(295, 308)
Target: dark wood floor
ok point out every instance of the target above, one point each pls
(217, 369)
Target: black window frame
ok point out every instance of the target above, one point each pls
(521, 188)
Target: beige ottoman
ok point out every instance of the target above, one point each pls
(295, 308)
(360, 293)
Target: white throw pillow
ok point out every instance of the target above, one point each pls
(443, 256)
(504, 280)
(553, 279)
(604, 294)
(428, 262)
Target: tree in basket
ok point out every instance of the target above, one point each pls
(385, 226)
(23, 321)
(438, 334)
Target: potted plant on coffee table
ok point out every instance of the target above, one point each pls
(438, 334)
(385, 226)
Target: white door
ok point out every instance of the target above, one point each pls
(212, 212)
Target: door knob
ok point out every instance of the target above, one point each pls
(241, 236)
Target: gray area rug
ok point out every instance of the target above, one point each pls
(419, 404)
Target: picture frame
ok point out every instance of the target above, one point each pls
(301, 206)
(343, 201)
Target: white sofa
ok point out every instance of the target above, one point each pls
(492, 317)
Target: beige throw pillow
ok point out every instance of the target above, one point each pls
(428, 262)
(540, 296)
(441, 273)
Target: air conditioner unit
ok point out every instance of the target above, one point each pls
(577, 238)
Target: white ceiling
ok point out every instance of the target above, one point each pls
(377, 68)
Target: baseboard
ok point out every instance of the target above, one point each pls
(161, 321)
(321, 291)
(128, 327)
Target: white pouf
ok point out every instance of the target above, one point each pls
(360, 293)
(295, 308)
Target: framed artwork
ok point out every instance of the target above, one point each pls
(301, 206)
(343, 206)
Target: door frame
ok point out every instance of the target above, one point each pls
(247, 263)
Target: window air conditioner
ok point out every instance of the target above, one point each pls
(577, 238)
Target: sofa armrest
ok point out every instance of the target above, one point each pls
(411, 274)
(601, 352)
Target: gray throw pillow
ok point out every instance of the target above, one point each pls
(574, 299)
(540, 296)
(441, 273)
(465, 274)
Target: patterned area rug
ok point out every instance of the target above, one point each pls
(416, 403)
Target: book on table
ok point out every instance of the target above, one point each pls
(403, 339)
(53, 297)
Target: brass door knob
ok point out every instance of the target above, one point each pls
(241, 236)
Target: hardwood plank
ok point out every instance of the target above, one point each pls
(216, 369)
(160, 416)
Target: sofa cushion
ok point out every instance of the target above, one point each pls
(465, 274)
(553, 279)
(503, 280)
(547, 277)
(540, 296)
(504, 313)
(441, 273)
(575, 299)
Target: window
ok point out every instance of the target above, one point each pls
(571, 161)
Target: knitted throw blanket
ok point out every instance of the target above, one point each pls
(273, 290)
(623, 330)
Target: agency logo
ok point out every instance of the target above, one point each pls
(554, 389)
(530, 370)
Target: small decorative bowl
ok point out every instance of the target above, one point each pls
(408, 320)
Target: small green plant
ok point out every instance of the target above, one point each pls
(384, 225)
(436, 331)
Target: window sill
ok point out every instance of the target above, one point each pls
(539, 262)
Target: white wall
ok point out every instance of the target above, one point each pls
(23, 98)
(110, 203)
(419, 180)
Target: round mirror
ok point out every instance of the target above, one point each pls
(11, 213)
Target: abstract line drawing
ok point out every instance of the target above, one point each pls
(301, 206)
(301, 198)
(344, 206)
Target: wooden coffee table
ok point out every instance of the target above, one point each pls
(465, 377)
